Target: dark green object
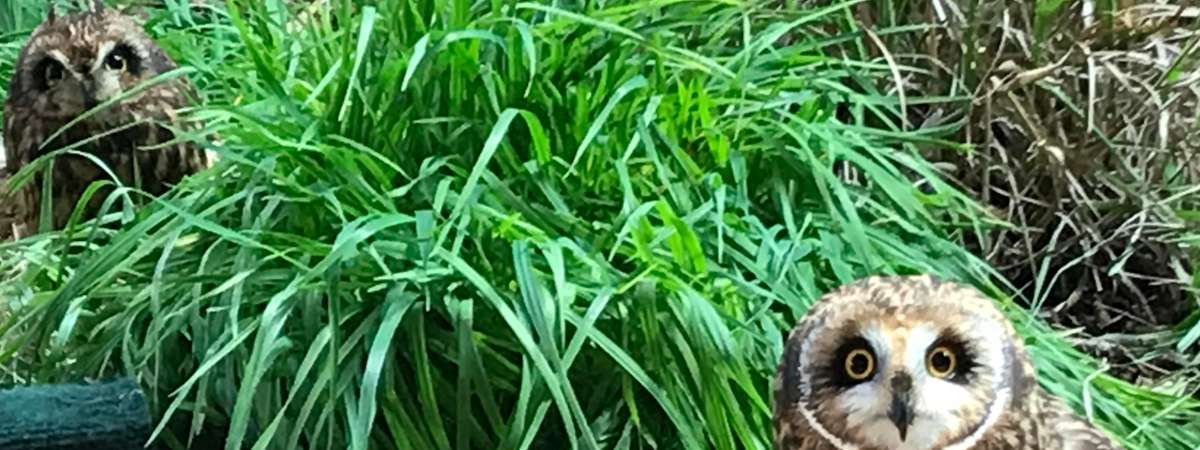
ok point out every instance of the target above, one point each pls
(110, 415)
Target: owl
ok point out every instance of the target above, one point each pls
(8, 210)
(915, 363)
(69, 66)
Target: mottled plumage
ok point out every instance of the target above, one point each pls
(915, 363)
(8, 208)
(69, 65)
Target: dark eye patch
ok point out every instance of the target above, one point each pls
(854, 362)
(48, 72)
(964, 359)
(122, 57)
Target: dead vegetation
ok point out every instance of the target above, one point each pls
(1082, 125)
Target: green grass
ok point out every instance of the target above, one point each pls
(441, 224)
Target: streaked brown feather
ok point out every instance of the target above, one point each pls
(126, 137)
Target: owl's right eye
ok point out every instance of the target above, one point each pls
(860, 364)
(854, 362)
(51, 72)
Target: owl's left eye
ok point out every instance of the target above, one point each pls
(115, 61)
(942, 361)
(120, 58)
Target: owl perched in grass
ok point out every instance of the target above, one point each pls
(69, 66)
(914, 363)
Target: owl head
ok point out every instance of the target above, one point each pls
(900, 363)
(73, 63)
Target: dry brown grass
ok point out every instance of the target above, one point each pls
(1082, 125)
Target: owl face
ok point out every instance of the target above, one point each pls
(904, 366)
(67, 69)
(74, 63)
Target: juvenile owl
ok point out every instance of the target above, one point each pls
(914, 363)
(69, 66)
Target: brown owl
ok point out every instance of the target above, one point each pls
(914, 363)
(69, 66)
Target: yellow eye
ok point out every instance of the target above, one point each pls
(121, 58)
(860, 364)
(115, 62)
(941, 362)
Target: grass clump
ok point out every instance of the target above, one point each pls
(513, 225)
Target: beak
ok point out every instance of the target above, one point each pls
(89, 95)
(901, 411)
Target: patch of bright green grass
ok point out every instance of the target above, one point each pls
(447, 225)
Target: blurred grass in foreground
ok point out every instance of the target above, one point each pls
(510, 225)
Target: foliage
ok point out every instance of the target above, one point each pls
(441, 224)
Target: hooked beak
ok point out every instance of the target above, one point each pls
(89, 95)
(901, 411)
